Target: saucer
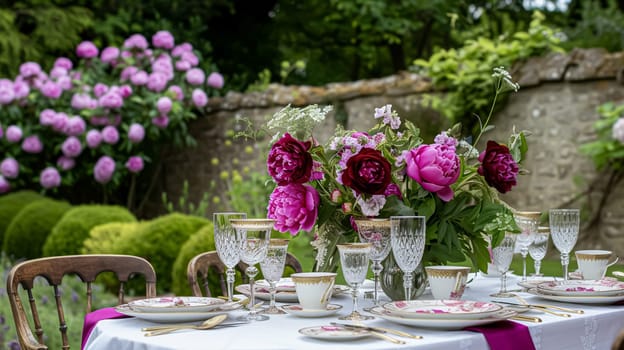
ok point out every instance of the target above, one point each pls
(297, 310)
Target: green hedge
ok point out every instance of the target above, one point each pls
(68, 235)
(11, 204)
(160, 240)
(27, 233)
(200, 242)
(110, 238)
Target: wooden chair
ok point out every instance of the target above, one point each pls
(87, 267)
(206, 264)
(618, 343)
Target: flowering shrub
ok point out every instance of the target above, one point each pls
(389, 170)
(102, 118)
(607, 151)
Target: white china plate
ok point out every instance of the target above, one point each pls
(532, 282)
(582, 287)
(297, 310)
(441, 309)
(173, 317)
(176, 304)
(283, 285)
(283, 296)
(580, 299)
(336, 333)
(443, 323)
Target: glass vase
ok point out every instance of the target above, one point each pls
(331, 233)
(391, 279)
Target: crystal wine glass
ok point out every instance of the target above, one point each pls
(272, 268)
(408, 244)
(254, 235)
(564, 230)
(377, 233)
(228, 247)
(501, 259)
(528, 221)
(539, 247)
(354, 263)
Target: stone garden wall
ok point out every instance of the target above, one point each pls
(557, 103)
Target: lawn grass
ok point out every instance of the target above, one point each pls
(552, 266)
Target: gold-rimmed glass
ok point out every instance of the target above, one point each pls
(377, 233)
(272, 268)
(528, 221)
(354, 263)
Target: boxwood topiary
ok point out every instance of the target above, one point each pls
(160, 240)
(11, 204)
(68, 235)
(110, 238)
(25, 236)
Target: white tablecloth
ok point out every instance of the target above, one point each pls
(595, 330)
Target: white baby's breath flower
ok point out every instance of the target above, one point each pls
(298, 121)
(505, 76)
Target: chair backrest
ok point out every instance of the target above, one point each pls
(87, 267)
(618, 343)
(204, 265)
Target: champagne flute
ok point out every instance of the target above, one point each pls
(227, 245)
(539, 247)
(272, 268)
(254, 236)
(354, 263)
(564, 230)
(528, 221)
(377, 233)
(408, 245)
(502, 256)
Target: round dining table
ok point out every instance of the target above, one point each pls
(595, 329)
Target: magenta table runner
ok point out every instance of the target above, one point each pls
(92, 318)
(506, 335)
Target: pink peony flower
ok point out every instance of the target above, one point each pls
(110, 135)
(139, 78)
(21, 89)
(65, 83)
(60, 121)
(618, 130)
(51, 90)
(81, 101)
(65, 163)
(5, 186)
(163, 39)
(29, 69)
(58, 72)
(183, 66)
(32, 144)
(435, 167)
(136, 41)
(104, 169)
(9, 168)
(134, 164)
(195, 76)
(94, 138)
(498, 167)
(75, 126)
(215, 80)
(290, 161)
(7, 92)
(157, 81)
(199, 98)
(111, 100)
(13, 134)
(109, 54)
(180, 49)
(128, 72)
(64, 62)
(71, 147)
(164, 105)
(190, 57)
(294, 207)
(136, 133)
(50, 178)
(100, 89)
(125, 91)
(86, 49)
(161, 121)
(177, 92)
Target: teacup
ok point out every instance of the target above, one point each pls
(447, 282)
(314, 289)
(593, 263)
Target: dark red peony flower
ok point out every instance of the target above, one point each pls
(289, 161)
(367, 172)
(498, 167)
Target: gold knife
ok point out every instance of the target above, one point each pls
(378, 329)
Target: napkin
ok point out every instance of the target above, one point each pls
(505, 335)
(92, 318)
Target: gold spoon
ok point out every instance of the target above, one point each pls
(209, 323)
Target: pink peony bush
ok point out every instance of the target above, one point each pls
(100, 119)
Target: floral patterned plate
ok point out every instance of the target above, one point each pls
(334, 333)
(283, 285)
(443, 323)
(441, 309)
(173, 317)
(532, 282)
(580, 299)
(299, 311)
(176, 304)
(283, 296)
(582, 287)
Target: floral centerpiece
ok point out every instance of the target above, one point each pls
(100, 119)
(389, 170)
